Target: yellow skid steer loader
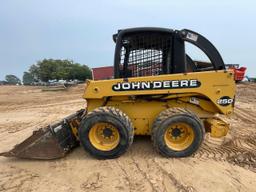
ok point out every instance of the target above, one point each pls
(157, 90)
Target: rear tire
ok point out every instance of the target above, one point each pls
(177, 132)
(106, 132)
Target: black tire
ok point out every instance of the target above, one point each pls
(116, 118)
(174, 116)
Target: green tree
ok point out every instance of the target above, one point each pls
(49, 69)
(28, 78)
(34, 71)
(80, 72)
(12, 79)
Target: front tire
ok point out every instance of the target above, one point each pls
(177, 132)
(106, 132)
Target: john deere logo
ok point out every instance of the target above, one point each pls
(153, 85)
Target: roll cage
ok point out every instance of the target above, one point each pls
(154, 51)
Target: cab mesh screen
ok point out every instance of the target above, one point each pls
(145, 54)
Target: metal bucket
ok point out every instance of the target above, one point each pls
(51, 142)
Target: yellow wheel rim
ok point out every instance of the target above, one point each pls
(179, 136)
(104, 136)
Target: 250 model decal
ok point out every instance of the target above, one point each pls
(225, 101)
(152, 85)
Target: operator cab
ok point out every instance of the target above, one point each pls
(156, 51)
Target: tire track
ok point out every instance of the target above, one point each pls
(245, 115)
(131, 177)
(16, 179)
(145, 175)
(239, 151)
(149, 168)
(143, 163)
(179, 186)
(126, 175)
(93, 183)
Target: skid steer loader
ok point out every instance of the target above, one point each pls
(157, 90)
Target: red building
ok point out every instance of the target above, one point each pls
(100, 73)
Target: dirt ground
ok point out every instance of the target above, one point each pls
(220, 165)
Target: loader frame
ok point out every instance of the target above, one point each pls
(205, 93)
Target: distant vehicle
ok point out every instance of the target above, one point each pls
(239, 72)
(251, 79)
(3, 83)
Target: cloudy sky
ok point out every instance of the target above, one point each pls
(81, 30)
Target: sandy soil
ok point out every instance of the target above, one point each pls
(220, 165)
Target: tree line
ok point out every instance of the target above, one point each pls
(52, 69)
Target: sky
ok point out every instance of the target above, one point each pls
(81, 30)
